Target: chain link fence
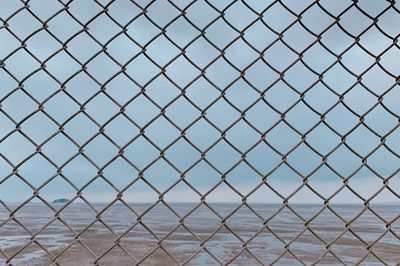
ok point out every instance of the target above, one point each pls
(199, 132)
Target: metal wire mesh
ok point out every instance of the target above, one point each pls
(75, 41)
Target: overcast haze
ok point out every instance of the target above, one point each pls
(124, 67)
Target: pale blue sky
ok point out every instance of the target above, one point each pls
(202, 93)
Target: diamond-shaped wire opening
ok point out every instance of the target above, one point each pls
(305, 81)
(201, 52)
(123, 11)
(222, 156)
(182, 32)
(120, 173)
(62, 66)
(101, 150)
(82, 87)
(21, 64)
(351, 252)
(377, 80)
(235, 136)
(121, 88)
(16, 148)
(162, 91)
(228, 250)
(240, 54)
(282, 138)
(161, 175)
(202, 93)
(56, 187)
(241, 94)
(368, 41)
(385, 249)
(266, 246)
(241, 11)
(57, 26)
(255, 158)
(13, 187)
(320, 99)
(387, 21)
(344, 167)
(315, 20)
(85, 10)
(142, 30)
(59, 149)
(243, 179)
(262, 116)
(37, 170)
(104, 114)
(306, 121)
(304, 159)
(330, 139)
(162, 132)
(281, 97)
(260, 82)
(201, 13)
(351, 99)
(75, 125)
(162, 12)
(41, 86)
(107, 70)
(330, 40)
(141, 152)
(319, 58)
(142, 70)
(263, 195)
(386, 169)
(121, 137)
(363, 59)
(83, 47)
(271, 17)
(168, 53)
(203, 177)
(326, 178)
(222, 113)
(342, 120)
(182, 163)
(79, 171)
(122, 48)
(291, 38)
(42, 45)
(221, 74)
(182, 72)
(359, 22)
(198, 138)
(284, 180)
(313, 250)
(362, 148)
(182, 113)
(23, 23)
(52, 105)
(140, 193)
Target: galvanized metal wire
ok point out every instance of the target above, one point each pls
(203, 73)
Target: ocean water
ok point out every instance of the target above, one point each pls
(229, 233)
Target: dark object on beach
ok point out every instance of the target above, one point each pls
(60, 201)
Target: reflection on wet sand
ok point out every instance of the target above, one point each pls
(243, 239)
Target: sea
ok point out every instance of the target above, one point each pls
(204, 233)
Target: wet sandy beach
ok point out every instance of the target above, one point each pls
(117, 238)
